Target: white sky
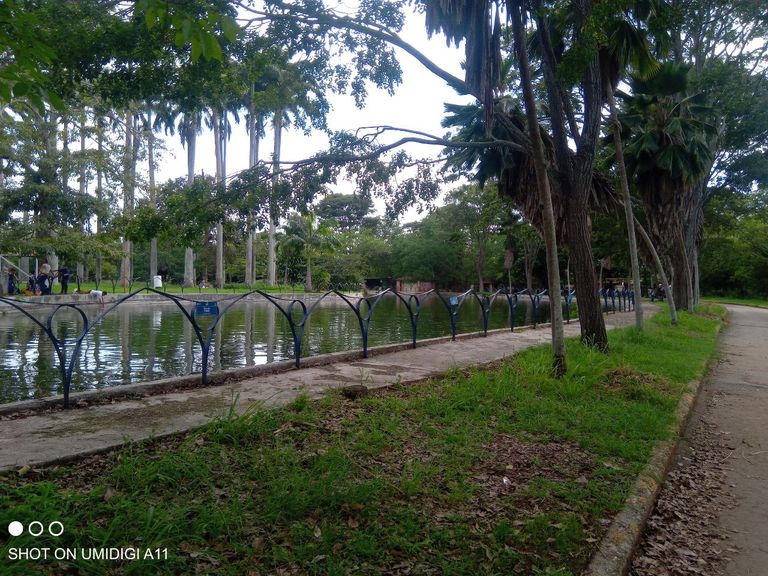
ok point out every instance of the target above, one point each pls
(417, 104)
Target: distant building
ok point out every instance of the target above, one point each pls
(403, 285)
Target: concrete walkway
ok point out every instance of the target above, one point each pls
(740, 381)
(58, 436)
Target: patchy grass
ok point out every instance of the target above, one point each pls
(488, 471)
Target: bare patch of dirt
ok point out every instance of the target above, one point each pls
(638, 385)
(682, 536)
(512, 464)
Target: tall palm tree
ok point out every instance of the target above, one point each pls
(668, 153)
(295, 96)
(254, 61)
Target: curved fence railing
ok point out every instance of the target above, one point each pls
(297, 313)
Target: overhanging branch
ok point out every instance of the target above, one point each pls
(331, 19)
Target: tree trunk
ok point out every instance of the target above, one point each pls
(128, 191)
(82, 181)
(681, 279)
(190, 125)
(659, 270)
(529, 271)
(150, 135)
(99, 189)
(591, 319)
(628, 215)
(542, 181)
(576, 177)
(696, 277)
(271, 246)
(219, 134)
(480, 264)
(254, 139)
(308, 281)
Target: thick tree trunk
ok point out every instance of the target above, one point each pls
(542, 181)
(591, 320)
(576, 177)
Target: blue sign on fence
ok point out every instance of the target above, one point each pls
(206, 309)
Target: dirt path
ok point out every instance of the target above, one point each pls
(712, 514)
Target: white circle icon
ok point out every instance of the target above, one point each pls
(15, 528)
(35, 528)
(60, 528)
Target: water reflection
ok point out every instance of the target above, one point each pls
(146, 341)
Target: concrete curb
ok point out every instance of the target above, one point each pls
(614, 555)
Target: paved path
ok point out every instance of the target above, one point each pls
(715, 499)
(741, 382)
(55, 436)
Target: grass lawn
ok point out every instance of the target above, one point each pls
(758, 302)
(501, 470)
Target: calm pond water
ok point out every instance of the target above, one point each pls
(145, 341)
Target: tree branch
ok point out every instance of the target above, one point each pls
(329, 18)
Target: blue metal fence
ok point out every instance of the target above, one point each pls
(297, 313)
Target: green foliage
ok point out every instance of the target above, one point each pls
(668, 147)
(734, 254)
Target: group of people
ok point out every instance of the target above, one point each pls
(41, 284)
(659, 293)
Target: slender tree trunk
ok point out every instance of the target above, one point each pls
(253, 160)
(190, 125)
(99, 189)
(128, 191)
(150, 136)
(696, 277)
(480, 264)
(542, 181)
(219, 133)
(659, 270)
(271, 246)
(531, 250)
(83, 184)
(627, 200)
(308, 281)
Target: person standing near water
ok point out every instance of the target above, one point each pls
(44, 279)
(63, 274)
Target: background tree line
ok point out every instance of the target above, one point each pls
(593, 120)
